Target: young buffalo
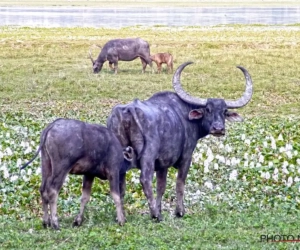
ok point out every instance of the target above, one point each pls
(161, 58)
(76, 147)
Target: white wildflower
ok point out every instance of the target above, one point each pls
(247, 141)
(28, 150)
(246, 163)
(296, 179)
(261, 159)
(8, 152)
(246, 156)
(273, 142)
(285, 164)
(265, 144)
(233, 175)
(290, 181)
(14, 178)
(216, 166)
(243, 136)
(206, 169)
(263, 175)
(19, 162)
(209, 185)
(289, 154)
(29, 171)
(285, 171)
(295, 152)
(270, 164)
(267, 175)
(280, 138)
(298, 161)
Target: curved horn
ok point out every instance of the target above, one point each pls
(91, 57)
(179, 90)
(247, 94)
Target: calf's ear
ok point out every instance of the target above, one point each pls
(128, 153)
(196, 114)
(233, 117)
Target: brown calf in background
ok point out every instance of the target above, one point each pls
(161, 58)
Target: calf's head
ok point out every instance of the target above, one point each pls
(212, 112)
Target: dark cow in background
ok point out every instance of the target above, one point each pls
(122, 50)
(76, 147)
(161, 58)
(164, 131)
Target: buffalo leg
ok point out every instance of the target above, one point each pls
(144, 63)
(147, 172)
(180, 183)
(161, 182)
(54, 185)
(87, 184)
(122, 188)
(46, 173)
(116, 67)
(110, 64)
(115, 193)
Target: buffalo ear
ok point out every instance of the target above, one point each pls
(128, 153)
(233, 117)
(196, 114)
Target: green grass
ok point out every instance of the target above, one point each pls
(46, 73)
(214, 228)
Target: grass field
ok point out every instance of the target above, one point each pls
(239, 187)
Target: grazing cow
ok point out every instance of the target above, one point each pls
(161, 58)
(76, 147)
(164, 131)
(122, 50)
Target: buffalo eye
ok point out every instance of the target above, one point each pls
(208, 110)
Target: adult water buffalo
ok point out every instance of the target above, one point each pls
(76, 147)
(164, 131)
(122, 50)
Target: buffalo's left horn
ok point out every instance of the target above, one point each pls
(91, 56)
(247, 94)
(179, 90)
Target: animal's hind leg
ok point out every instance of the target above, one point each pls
(161, 181)
(46, 173)
(54, 185)
(147, 172)
(115, 193)
(87, 184)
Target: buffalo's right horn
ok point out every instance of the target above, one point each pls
(179, 90)
(91, 57)
(247, 94)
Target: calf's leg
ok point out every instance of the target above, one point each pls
(87, 184)
(46, 173)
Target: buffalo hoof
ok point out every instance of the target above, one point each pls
(179, 212)
(46, 224)
(77, 222)
(55, 226)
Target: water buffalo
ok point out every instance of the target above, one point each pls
(161, 58)
(76, 147)
(164, 131)
(122, 50)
